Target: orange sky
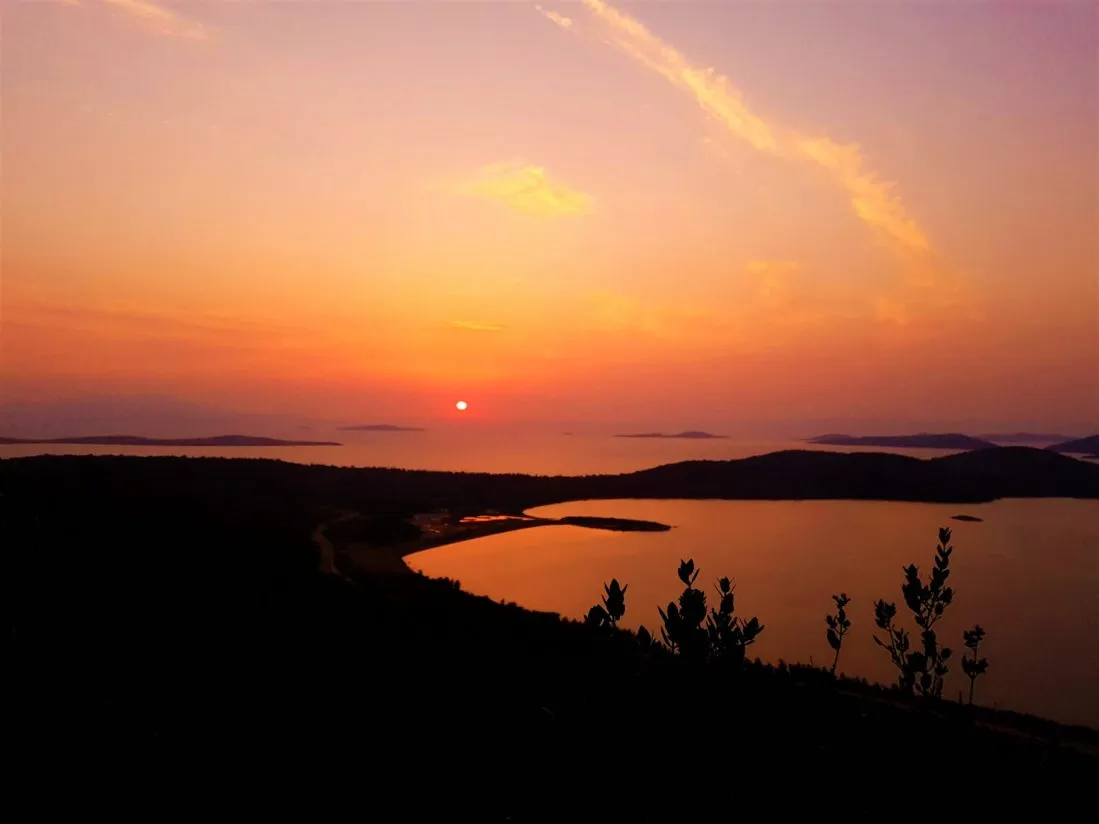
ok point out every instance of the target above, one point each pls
(640, 211)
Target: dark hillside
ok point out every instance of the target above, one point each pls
(168, 615)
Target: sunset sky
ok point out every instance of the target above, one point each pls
(683, 212)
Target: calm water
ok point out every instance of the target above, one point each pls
(1029, 574)
(473, 449)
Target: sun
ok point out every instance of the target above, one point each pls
(461, 406)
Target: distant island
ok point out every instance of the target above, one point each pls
(1023, 437)
(970, 518)
(1081, 446)
(136, 440)
(380, 427)
(923, 440)
(689, 435)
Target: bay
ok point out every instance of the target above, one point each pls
(1028, 573)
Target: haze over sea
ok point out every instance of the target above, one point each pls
(475, 449)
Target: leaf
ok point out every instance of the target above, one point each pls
(833, 640)
(685, 570)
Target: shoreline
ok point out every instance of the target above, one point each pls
(367, 558)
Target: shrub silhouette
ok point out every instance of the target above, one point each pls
(612, 609)
(724, 638)
(728, 635)
(614, 601)
(645, 639)
(921, 670)
(973, 667)
(682, 630)
(838, 625)
(596, 617)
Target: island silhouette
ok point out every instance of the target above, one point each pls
(1080, 446)
(1003, 438)
(137, 440)
(380, 427)
(922, 440)
(689, 435)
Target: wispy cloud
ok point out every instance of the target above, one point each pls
(158, 18)
(559, 19)
(873, 200)
(526, 189)
(477, 326)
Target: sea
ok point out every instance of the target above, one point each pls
(1028, 573)
(475, 449)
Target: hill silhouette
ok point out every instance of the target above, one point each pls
(1024, 438)
(968, 477)
(923, 440)
(168, 609)
(1080, 446)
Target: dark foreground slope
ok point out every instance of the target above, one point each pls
(169, 621)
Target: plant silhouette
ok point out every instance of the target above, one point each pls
(921, 670)
(614, 601)
(645, 639)
(596, 617)
(838, 625)
(973, 667)
(724, 637)
(728, 635)
(682, 630)
(610, 612)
